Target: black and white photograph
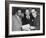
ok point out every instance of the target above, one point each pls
(25, 18)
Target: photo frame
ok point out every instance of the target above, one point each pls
(12, 6)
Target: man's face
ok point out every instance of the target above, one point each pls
(34, 13)
(22, 15)
(19, 12)
(27, 12)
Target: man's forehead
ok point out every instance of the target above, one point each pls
(33, 10)
(19, 10)
(27, 10)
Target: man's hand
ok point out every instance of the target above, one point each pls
(26, 27)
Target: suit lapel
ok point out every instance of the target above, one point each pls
(18, 19)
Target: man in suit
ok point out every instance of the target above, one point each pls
(28, 20)
(16, 21)
(34, 14)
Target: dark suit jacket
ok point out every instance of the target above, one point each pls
(27, 21)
